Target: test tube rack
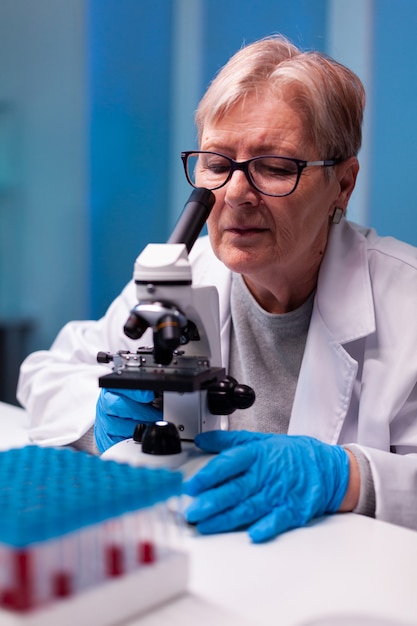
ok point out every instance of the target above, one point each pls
(81, 539)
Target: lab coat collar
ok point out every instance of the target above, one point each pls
(344, 295)
(343, 313)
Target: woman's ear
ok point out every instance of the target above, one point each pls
(346, 173)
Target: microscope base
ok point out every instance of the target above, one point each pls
(189, 461)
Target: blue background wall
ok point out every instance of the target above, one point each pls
(228, 24)
(393, 192)
(129, 45)
(97, 100)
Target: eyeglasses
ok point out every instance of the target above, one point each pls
(271, 175)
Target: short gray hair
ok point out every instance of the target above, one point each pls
(329, 96)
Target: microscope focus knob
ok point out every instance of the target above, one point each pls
(161, 438)
(243, 396)
(227, 395)
(104, 357)
(139, 432)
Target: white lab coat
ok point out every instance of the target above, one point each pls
(358, 376)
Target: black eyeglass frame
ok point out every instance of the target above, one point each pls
(244, 167)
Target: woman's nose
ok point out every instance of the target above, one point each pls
(239, 190)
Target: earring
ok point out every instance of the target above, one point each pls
(337, 215)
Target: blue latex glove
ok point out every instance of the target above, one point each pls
(118, 411)
(269, 483)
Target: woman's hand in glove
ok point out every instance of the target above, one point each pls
(118, 412)
(269, 483)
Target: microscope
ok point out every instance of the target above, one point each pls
(183, 366)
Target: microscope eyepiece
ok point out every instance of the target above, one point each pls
(193, 217)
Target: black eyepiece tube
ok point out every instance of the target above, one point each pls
(193, 217)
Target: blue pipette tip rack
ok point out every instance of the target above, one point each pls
(77, 531)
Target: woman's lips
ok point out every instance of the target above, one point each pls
(246, 230)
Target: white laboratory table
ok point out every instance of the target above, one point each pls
(343, 570)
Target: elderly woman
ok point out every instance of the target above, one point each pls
(317, 314)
